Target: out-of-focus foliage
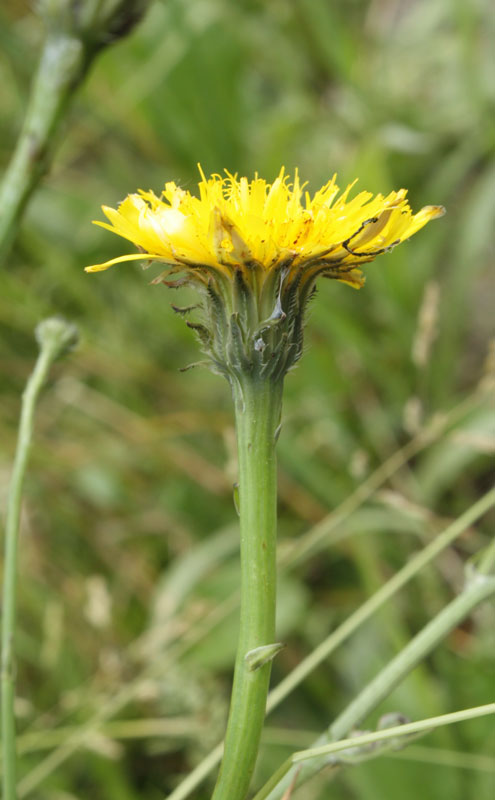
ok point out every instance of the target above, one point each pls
(129, 538)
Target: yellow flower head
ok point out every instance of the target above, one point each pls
(240, 224)
(255, 250)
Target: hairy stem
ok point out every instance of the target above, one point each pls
(257, 408)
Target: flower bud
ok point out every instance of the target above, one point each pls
(56, 334)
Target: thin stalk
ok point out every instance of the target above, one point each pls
(352, 744)
(47, 354)
(408, 728)
(257, 410)
(478, 588)
(290, 737)
(62, 67)
(55, 336)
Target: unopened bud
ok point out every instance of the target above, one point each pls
(57, 335)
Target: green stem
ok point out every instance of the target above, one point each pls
(408, 728)
(50, 347)
(257, 409)
(62, 67)
(386, 735)
(478, 588)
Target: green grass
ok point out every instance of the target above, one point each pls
(132, 468)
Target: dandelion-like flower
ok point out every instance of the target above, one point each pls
(255, 251)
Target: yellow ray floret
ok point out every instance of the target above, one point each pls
(241, 224)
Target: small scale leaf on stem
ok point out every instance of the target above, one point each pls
(260, 656)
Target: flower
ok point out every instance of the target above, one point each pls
(241, 224)
(255, 250)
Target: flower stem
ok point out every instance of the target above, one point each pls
(62, 67)
(51, 344)
(257, 409)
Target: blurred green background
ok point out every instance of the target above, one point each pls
(129, 540)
